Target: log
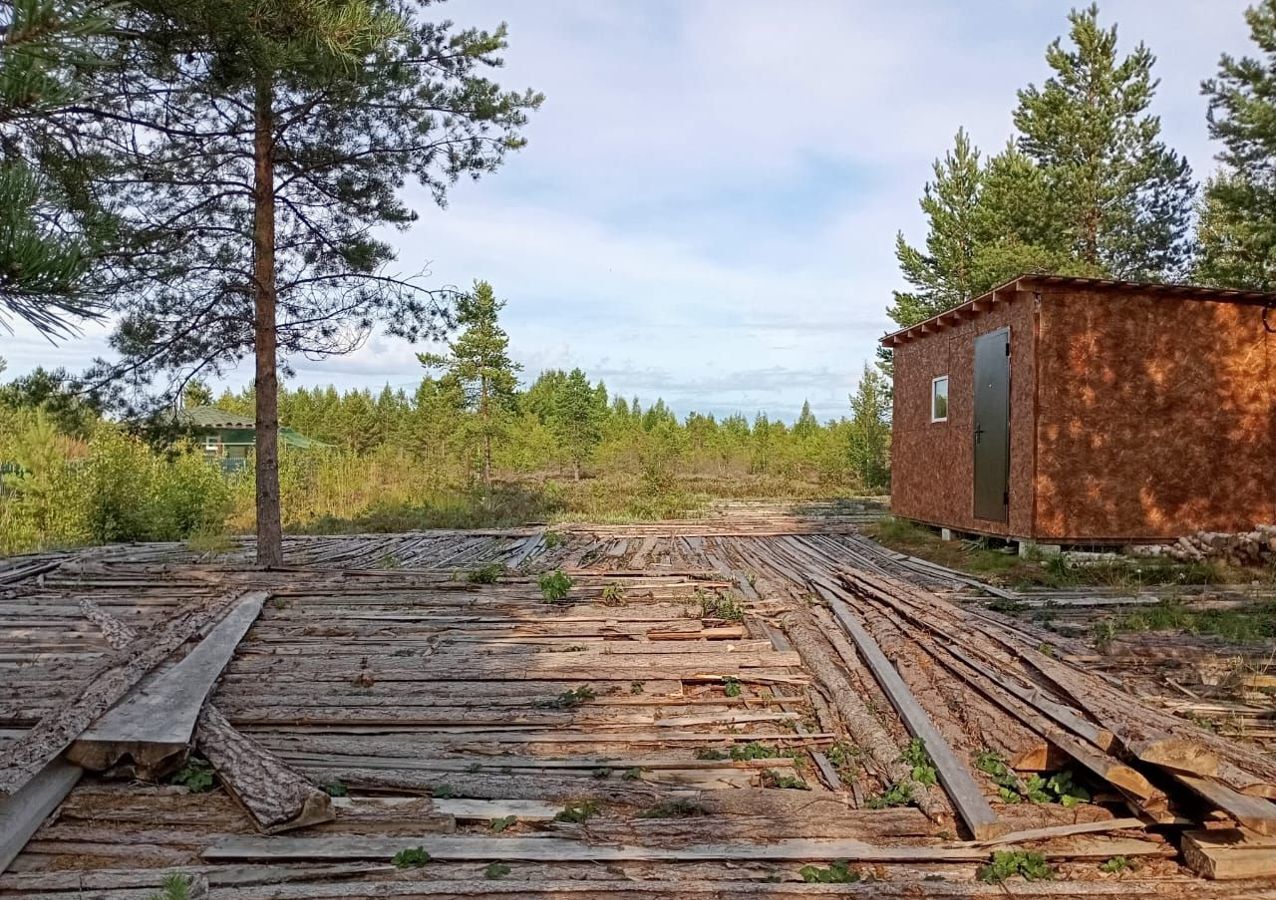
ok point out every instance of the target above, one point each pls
(276, 797)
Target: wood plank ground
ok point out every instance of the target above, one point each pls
(689, 721)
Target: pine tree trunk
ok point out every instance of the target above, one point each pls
(269, 530)
(576, 469)
(486, 414)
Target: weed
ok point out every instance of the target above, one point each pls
(411, 857)
(602, 772)
(489, 574)
(570, 648)
(335, 788)
(678, 808)
(554, 586)
(773, 779)
(569, 699)
(752, 579)
(635, 687)
(898, 794)
(1005, 605)
(754, 750)
(1116, 865)
(714, 605)
(731, 686)
(711, 753)
(578, 813)
(633, 773)
(210, 543)
(838, 872)
(1045, 649)
(1248, 624)
(280, 602)
(845, 757)
(443, 791)
(1058, 788)
(613, 594)
(922, 767)
(196, 776)
(1007, 864)
(502, 824)
(389, 561)
(553, 539)
(496, 870)
(176, 886)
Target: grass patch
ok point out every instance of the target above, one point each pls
(714, 605)
(1249, 624)
(496, 870)
(613, 594)
(678, 808)
(502, 824)
(731, 686)
(176, 886)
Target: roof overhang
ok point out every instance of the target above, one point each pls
(1021, 283)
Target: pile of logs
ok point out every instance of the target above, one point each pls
(1246, 548)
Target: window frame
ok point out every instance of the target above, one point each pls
(933, 382)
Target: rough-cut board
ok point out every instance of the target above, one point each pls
(554, 849)
(955, 777)
(113, 679)
(156, 721)
(277, 798)
(1252, 812)
(21, 814)
(1228, 854)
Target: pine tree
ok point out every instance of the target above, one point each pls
(50, 220)
(1120, 198)
(577, 417)
(478, 362)
(806, 424)
(1237, 230)
(943, 276)
(279, 135)
(870, 431)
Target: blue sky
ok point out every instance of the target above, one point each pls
(707, 207)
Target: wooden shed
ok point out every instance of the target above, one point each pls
(1084, 411)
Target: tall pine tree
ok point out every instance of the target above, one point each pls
(943, 275)
(478, 362)
(280, 133)
(1119, 197)
(1237, 230)
(577, 418)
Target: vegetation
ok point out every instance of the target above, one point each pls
(569, 699)
(176, 886)
(495, 870)
(1249, 624)
(921, 766)
(489, 574)
(554, 586)
(715, 605)
(579, 812)
(502, 824)
(838, 872)
(411, 858)
(773, 779)
(1058, 788)
(677, 808)
(1009, 863)
(196, 776)
(1085, 187)
(898, 794)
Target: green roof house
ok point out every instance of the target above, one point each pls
(231, 437)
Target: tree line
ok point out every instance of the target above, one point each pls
(1087, 186)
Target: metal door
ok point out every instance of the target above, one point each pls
(992, 425)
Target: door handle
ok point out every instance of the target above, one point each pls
(978, 433)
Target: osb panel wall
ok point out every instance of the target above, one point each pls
(932, 464)
(1155, 416)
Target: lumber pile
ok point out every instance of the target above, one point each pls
(1245, 548)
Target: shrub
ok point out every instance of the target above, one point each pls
(554, 586)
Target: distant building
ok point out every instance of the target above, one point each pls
(1085, 411)
(231, 437)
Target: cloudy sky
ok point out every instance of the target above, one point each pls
(707, 207)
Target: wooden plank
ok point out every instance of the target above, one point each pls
(157, 720)
(1228, 854)
(1256, 813)
(955, 776)
(555, 849)
(1055, 831)
(23, 812)
(116, 677)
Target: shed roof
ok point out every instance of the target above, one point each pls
(213, 417)
(977, 305)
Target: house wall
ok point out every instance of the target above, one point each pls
(1155, 416)
(932, 464)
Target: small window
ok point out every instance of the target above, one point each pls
(211, 444)
(939, 399)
